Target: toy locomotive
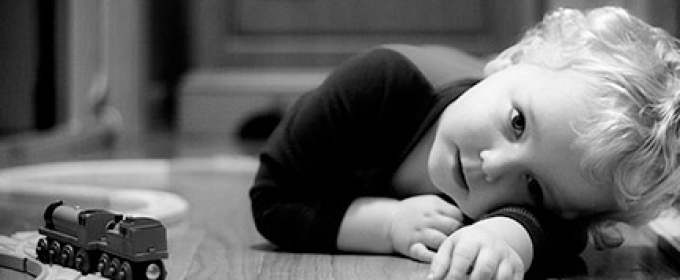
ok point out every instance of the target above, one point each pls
(95, 240)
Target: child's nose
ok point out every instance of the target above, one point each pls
(500, 164)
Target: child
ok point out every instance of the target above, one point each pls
(574, 127)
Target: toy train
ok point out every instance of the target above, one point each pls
(99, 241)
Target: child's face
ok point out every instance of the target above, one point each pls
(509, 141)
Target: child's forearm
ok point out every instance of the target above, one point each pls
(366, 226)
(514, 234)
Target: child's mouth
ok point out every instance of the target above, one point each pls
(458, 174)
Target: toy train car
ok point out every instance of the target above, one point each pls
(99, 241)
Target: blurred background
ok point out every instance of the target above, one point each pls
(168, 78)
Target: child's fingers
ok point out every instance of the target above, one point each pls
(508, 271)
(441, 261)
(463, 258)
(485, 265)
(446, 224)
(450, 210)
(433, 238)
(420, 252)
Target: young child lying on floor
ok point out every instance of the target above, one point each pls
(573, 128)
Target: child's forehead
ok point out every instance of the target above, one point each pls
(552, 91)
(541, 75)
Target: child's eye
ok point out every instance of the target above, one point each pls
(535, 190)
(517, 123)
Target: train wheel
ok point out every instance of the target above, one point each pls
(82, 262)
(114, 266)
(54, 252)
(155, 271)
(125, 272)
(103, 264)
(42, 250)
(68, 255)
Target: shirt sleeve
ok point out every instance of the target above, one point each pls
(307, 177)
(555, 241)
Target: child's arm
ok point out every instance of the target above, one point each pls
(493, 248)
(332, 148)
(414, 227)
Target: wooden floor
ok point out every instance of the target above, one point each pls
(218, 240)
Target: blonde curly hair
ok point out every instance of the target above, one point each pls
(632, 143)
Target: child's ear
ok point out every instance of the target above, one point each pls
(607, 236)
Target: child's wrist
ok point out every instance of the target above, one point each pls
(513, 233)
(392, 216)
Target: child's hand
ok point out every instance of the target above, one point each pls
(421, 223)
(475, 252)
